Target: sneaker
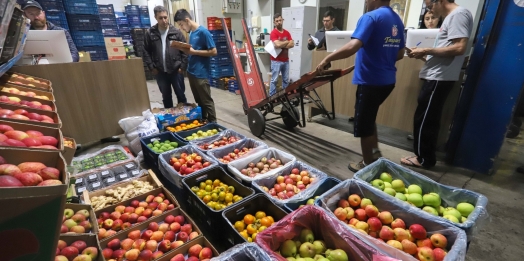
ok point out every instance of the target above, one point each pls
(355, 167)
(376, 154)
(410, 137)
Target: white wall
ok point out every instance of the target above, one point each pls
(209, 8)
(262, 8)
(307, 3)
(118, 4)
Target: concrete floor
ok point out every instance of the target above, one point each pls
(330, 150)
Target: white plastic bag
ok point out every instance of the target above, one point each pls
(137, 127)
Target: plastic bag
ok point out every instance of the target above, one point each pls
(456, 237)
(302, 195)
(171, 174)
(243, 252)
(236, 166)
(324, 227)
(245, 143)
(450, 196)
(226, 133)
(137, 127)
(100, 159)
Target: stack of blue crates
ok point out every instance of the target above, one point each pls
(221, 65)
(86, 28)
(232, 86)
(144, 16)
(133, 16)
(108, 20)
(55, 12)
(123, 28)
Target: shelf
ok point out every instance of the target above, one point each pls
(6, 66)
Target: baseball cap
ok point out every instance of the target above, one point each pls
(31, 3)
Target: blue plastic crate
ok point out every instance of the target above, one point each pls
(108, 21)
(97, 53)
(106, 9)
(81, 7)
(133, 19)
(84, 22)
(110, 32)
(122, 21)
(145, 20)
(88, 38)
(52, 5)
(220, 58)
(57, 18)
(132, 10)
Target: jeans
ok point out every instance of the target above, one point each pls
(167, 80)
(276, 68)
(202, 93)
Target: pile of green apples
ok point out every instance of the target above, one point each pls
(429, 202)
(306, 248)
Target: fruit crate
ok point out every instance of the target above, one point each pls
(55, 6)
(97, 53)
(184, 250)
(324, 186)
(84, 22)
(251, 205)
(184, 134)
(244, 252)
(39, 91)
(186, 125)
(456, 238)
(88, 7)
(24, 80)
(217, 138)
(91, 218)
(90, 240)
(219, 153)
(326, 228)
(450, 196)
(151, 157)
(57, 124)
(215, 23)
(236, 166)
(57, 18)
(106, 10)
(46, 131)
(212, 219)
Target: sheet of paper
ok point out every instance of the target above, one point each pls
(270, 48)
(298, 24)
(315, 40)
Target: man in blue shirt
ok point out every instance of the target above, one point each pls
(379, 43)
(202, 47)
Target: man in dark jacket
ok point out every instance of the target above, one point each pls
(328, 21)
(166, 63)
(34, 12)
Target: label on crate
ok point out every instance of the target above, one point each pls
(81, 189)
(135, 172)
(79, 180)
(96, 185)
(105, 173)
(92, 177)
(123, 176)
(109, 180)
(129, 166)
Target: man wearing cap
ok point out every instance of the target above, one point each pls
(34, 12)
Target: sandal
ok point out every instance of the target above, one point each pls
(408, 161)
(355, 167)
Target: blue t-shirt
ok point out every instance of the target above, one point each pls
(199, 66)
(382, 34)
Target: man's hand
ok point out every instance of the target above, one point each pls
(322, 66)
(154, 71)
(417, 53)
(309, 41)
(189, 51)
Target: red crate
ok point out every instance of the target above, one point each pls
(215, 23)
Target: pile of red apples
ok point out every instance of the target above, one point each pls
(10, 137)
(77, 251)
(361, 214)
(27, 174)
(288, 186)
(22, 114)
(75, 223)
(195, 253)
(20, 102)
(234, 155)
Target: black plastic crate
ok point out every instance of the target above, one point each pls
(326, 185)
(97, 53)
(106, 9)
(199, 211)
(138, 31)
(151, 157)
(84, 22)
(54, 6)
(251, 205)
(183, 134)
(81, 7)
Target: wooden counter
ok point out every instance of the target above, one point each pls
(398, 110)
(92, 97)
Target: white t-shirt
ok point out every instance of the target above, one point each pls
(458, 24)
(163, 34)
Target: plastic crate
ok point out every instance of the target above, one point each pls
(251, 205)
(221, 58)
(215, 23)
(183, 134)
(57, 18)
(326, 185)
(132, 10)
(81, 7)
(256, 145)
(97, 53)
(125, 30)
(138, 32)
(122, 21)
(88, 38)
(151, 157)
(106, 9)
(243, 252)
(199, 211)
(145, 20)
(54, 6)
(110, 32)
(84, 22)
(108, 21)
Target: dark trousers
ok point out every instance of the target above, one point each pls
(369, 99)
(426, 122)
(175, 80)
(202, 93)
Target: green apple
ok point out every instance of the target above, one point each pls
(432, 200)
(377, 183)
(307, 250)
(68, 213)
(291, 259)
(390, 191)
(414, 189)
(311, 201)
(431, 210)
(298, 243)
(337, 255)
(309, 259)
(463, 219)
(320, 246)
(453, 212)
(416, 200)
(398, 185)
(365, 202)
(386, 177)
(440, 210)
(387, 185)
(401, 196)
(306, 235)
(451, 218)
(318, 257)
(465, 209)
(288, 249)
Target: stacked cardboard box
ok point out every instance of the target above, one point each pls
(115, 48)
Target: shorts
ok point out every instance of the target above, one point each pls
(369, 99)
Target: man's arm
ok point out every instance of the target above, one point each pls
(280, 44)
(400, 54)
(72, 47)
(457, 48)
(183, 55)
(346, 51)
(146, 53)
(206, 53)
(291, 44)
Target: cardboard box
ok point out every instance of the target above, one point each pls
(25, 98)
(53, 115)
(160, 219)
(116, 52)
(32, 216)
(151, 178)
(84, 56)
(183, 249)
(113, 41)
(47, 131)
(164, 117)
(22, 80)
(92, 216)
(69, 153)
(91, 241)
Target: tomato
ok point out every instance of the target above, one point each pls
(260, 214)
(249, 219)
(251, 229)
(271, 219)
(240, 226)
(265, 221)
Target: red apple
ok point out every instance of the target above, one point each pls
(139, 244)
(146, 255)
(127, 244)
(194, 250)
(135, 234)
(417, 231)
(114, 244)
(153, 226)
(29, 178)
(151, 245)
(107, 253)
(164, 246)
(14, 143)
(398, 223)
(425, 254)
(147, 234)
(439, 254)
(16, 135)
(182, 236)
(175, 227)
(170, 235)
(69, 252)
(49, 173)
(80, 245)
(205, 254)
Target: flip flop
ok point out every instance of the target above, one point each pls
(411, 163)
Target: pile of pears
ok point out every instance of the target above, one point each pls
(306, 248)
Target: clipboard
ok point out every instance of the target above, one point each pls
(180, 45)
